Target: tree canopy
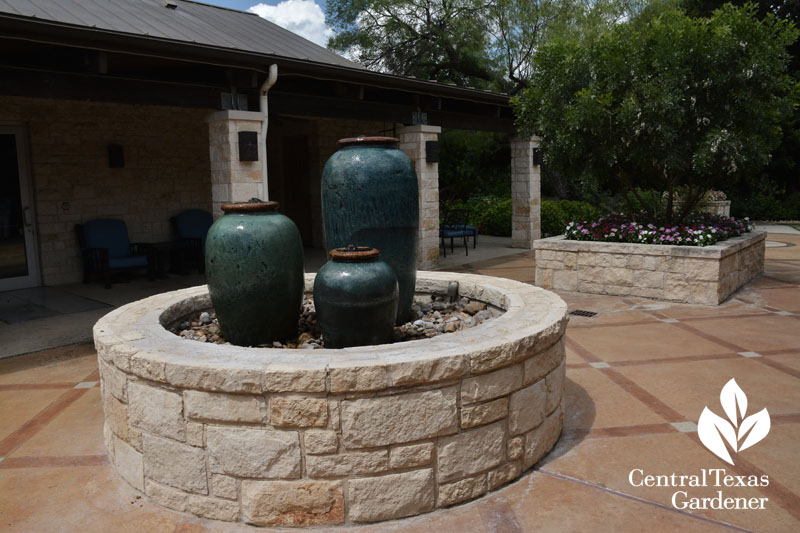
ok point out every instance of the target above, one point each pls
(664, 100)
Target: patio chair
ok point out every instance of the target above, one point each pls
(190, 228)
(105, 248)
(455, 226)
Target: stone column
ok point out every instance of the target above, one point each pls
(412, 142)
(526, 193)
(233, 180)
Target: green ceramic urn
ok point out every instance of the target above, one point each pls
(355, 296)
(254, 267)
(370, 197)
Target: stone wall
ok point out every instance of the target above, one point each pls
(166, 171)
(701, 275)
(323, 437)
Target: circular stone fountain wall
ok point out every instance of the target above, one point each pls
(311, 437)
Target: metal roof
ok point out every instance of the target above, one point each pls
(189, 22)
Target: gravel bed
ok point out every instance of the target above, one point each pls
(435, 316)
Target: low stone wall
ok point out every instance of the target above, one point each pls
(701, 275)
(299, 438)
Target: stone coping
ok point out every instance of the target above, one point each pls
(716, 251)
(133, 338)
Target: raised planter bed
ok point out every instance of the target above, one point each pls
(702, 275)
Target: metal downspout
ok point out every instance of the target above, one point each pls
(265, 87)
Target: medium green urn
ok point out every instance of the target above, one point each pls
(355, 298)
(370, 197)
(254, 267)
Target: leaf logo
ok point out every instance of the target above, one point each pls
(714, 431)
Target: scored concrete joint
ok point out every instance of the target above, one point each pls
(276, 437)
(688, 274)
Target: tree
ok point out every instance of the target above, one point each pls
(664, 101)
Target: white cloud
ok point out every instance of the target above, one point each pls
(303, 17)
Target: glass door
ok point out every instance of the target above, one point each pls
(19, 260)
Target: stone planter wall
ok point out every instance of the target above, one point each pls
(322, 437)
(716, 207)
(702, 275)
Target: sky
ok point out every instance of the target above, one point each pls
(303, 17)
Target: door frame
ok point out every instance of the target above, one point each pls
(28, 200)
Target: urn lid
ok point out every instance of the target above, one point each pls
(253, 205)
(355, 254)
(362, 139)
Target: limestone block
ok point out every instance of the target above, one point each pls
(298, 411)
(148, 366)
(678, 288)
(129, 464)
(526, 409)
(114, 381)
(203, 405)
(536, 367)
(555, 387)
(156, 410)
(259, 453)
(174, 464)
(215, 379)
(650, 262)
(345, 464)
(213, 508)
(359, 378)
(565, 280)
(414, 372)
(500, 476)
(470, 452)
(702, 269)
(463, 490)
(391, 496)
(618, 261)
(411, 456)
(635, 262)
(491, 385)
(395, 419)
(224, 486)
(516, 447)
(165, 496)
(116, 414)
(320, 441)
(544, 278)
(541, 440)
(621, 277)
(485, 413)
(617, 290)
(194, 434)
(591, 274)
(648, 279)
(292, 503)
(293, 380)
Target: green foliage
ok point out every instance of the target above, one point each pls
(764, 199)
(491, 214)
(663, 101)
(557, 214)
(486, 44)
(473, 163)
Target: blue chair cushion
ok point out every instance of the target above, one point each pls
(127, 262)
(111, 234)
(472, 229)
(454, 233)
(193, 224)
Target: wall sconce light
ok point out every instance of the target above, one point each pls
(537, 157)
(116, 156)
(432, 151)
(248, 146)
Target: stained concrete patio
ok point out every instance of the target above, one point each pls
(639, 375)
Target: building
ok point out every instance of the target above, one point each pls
(132, 109)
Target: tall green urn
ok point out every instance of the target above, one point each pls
(370, 197)
(254, 267)
(355, 297)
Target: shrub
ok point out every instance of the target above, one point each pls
(557, 213)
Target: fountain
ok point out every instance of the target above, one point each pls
(276, 437)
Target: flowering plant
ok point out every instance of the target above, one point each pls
(698, 230)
